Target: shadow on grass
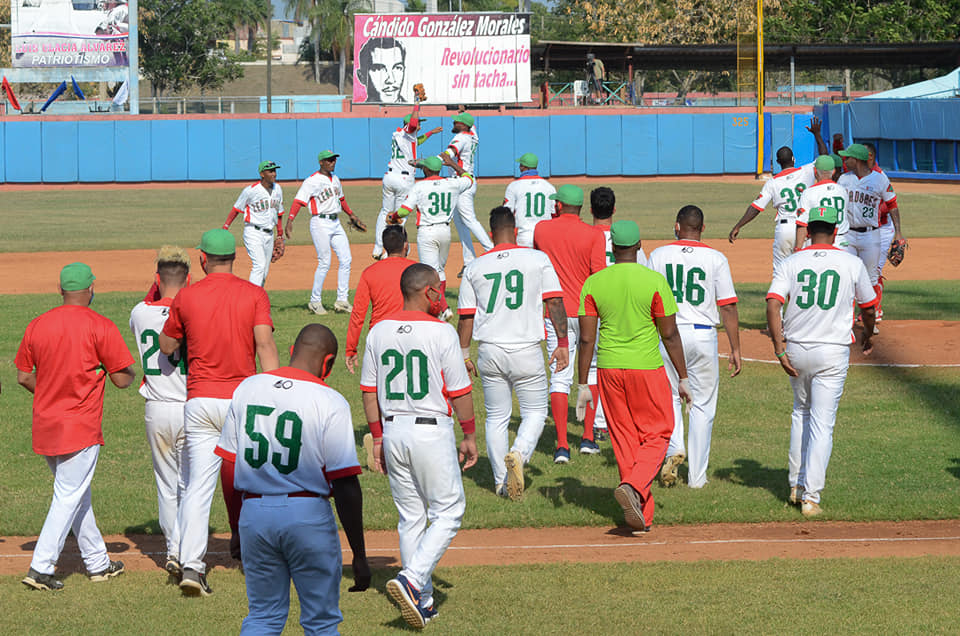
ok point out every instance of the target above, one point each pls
(572, 491)
(750, 473)
(955, 469)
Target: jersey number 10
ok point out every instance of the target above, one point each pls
(536, 204)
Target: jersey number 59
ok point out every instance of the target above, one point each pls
(287, 433)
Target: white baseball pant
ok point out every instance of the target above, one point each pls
(560, 381)
(599, 419)
(501, 373)
(525, 238)
(784, 240)
(465, 220)
(886, 238)
(816, 395)
(203, 420)
(703, 373)
(433, 246)
(259, 246)
(866, 245)
(165, 436)
(396, 185)
(426, 486)
(328, 233)
(71, 509)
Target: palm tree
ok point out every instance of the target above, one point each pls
(336, 26)
(247, 15)
(308, 10)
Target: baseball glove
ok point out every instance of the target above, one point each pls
(420, 92)
(279, 246)
(358, 224)
(393, 219)
(898, 250)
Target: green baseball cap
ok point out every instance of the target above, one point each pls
(407, 119)
(327, 154)
(824, 214)
(569, 194)
(76, 277)
(857, 151)
(837, 161)
(625, 233)
(464, 118)
(218, 242)
(431, 163)
(824, 162)
(267, 165)
(528, 160)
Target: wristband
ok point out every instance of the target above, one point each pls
(469, 427)
(226, 226)
(564, 342)
(376, 429)
(782, 353)
(466, 353)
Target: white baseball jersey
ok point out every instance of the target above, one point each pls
(463, 148)
(821, 195)
(504, 290)
(818, 286)
(414, 363)
(784, 190)
(259, 206)
(403, 149)
(321, 193)
(435, 198)
(864, 197)
(529, 199)
(641, 256)
(164, 377)
(699, 277)
(288, 432)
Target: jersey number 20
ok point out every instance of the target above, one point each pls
(418, 378)
(287, 433)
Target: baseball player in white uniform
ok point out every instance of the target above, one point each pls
(783, 190)
(413, 379)
(323, 193)
(261, 204)
(823, 193)
(528, 197)
(436, 202)
(399, 177)
(816, 289)
(463, 150)
(886, 230)
(501, 305)
(700, 279)
(291, 438)
(165, 389)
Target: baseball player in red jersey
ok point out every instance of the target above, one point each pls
(165, 390)
(64, 359)
(226, 325)
(413, 379)
(261, 204)
(576, 250)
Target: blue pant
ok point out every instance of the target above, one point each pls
(283, 538)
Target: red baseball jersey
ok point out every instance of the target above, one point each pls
(380, 285)
(576, 251)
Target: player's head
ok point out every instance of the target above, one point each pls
(822, 224)
(871, 154)
(503, 225)
(394, 239)
(409, 116)
(381, 68)
(431, 166)
(856, 157)
(268, 173)
(314, 350)
(462, 122)
(602, 202)
(173, 269)
(528, 161)
(328, 160)
(689, 223)
(785, 157)
(218, 249)
(824, 166)
(625, 238)
(420, 286)
(569, 199)
(76, 284)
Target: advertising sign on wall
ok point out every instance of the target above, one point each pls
(460, 58)
(52, 33)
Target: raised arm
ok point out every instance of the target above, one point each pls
(814, 129)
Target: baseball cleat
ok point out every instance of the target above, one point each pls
(514, 462)
(796, 495)
(407, 599)
(37, 581)
(501, 491)
(561, 456)
(368, 448)
(173, 566)
(629, 499)
(811, 509)
(589, 447)
(429, 613)
(876, 329)
(599, 435)
(317, 308)
(194, 583)
(342, 306)
(669, 474)
(115, 568)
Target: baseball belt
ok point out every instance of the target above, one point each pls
(332, 217)
(404, 172)
(300, 493)
(268, 230)
(420, 420)
(863, 229)
(696, 326)
(431, 224)
(781, 221)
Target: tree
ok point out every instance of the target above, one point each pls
(336, 29)
(306, 10)
(247, 16)
(179, 44)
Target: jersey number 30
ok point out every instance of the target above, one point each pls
(821, 289)
(287, 433)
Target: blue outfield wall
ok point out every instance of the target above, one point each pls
(188, 149)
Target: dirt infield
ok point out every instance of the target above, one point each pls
(715, 542)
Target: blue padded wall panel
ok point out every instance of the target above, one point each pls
(568, 144)
(675, 139)
(951, 118)
(437, 143)
(241, 149)
(168, 150)
(205, 158)
(101, 165)
(278, 143)
(496, 151)
(835, 116)
(639, 152)
(3, 177)
(895, 120)
(778, 132)
(350, 139)
(314, 135)
(740, 143)
(927, 119)
(59, 154)
(707, 142)
(804, 144)
(132, 146)
(532, 134)
(865, 118)
(381, 134)
(604, 144)
(23, 151)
